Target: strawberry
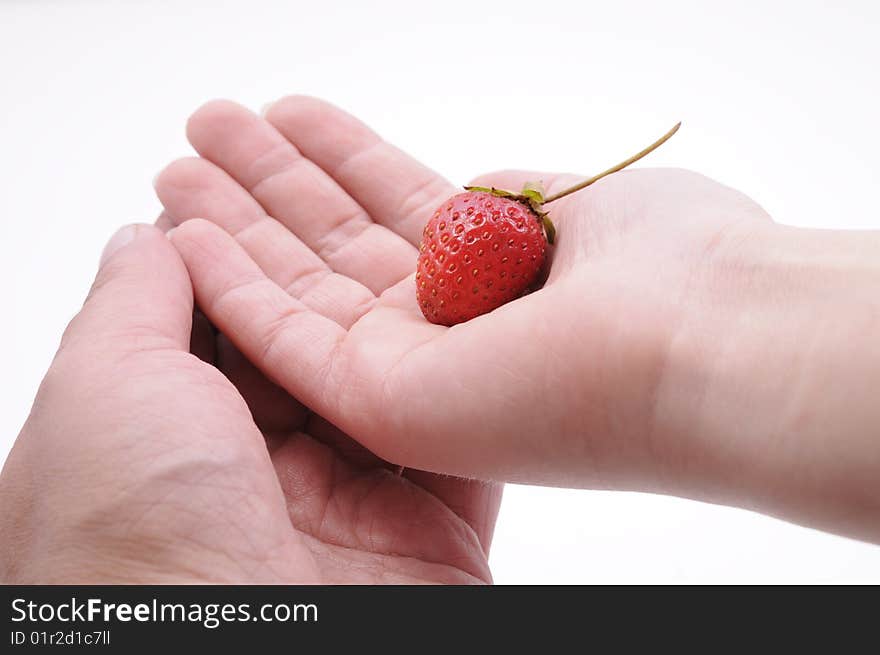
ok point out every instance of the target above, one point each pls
(478, 252)
(485, 247)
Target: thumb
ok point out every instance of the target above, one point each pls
(141, 298)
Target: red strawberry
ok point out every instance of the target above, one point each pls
(478, 252)
(485, 247)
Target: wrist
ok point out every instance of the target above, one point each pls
(770, 393)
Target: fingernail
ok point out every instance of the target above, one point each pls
(122, 238)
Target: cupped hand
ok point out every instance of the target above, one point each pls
(141, 463)
(306, 262)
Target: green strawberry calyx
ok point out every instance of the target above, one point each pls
(532, 196)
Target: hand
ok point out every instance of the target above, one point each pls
(567, 376)
(656, 357)
(142, 463)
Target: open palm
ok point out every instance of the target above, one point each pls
(566, 385)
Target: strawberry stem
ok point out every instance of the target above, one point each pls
(582, 185)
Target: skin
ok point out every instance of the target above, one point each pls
(142, 463)
(683, 343)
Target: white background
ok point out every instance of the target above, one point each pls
(779, 99)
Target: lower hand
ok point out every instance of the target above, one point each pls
(142, 463)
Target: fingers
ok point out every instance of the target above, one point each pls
(141, 298)
(300, 195)
(292, 344)
(273, 409)
(196, 188)
(395, 189)
(192, 187)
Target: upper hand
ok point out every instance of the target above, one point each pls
(306, 262)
